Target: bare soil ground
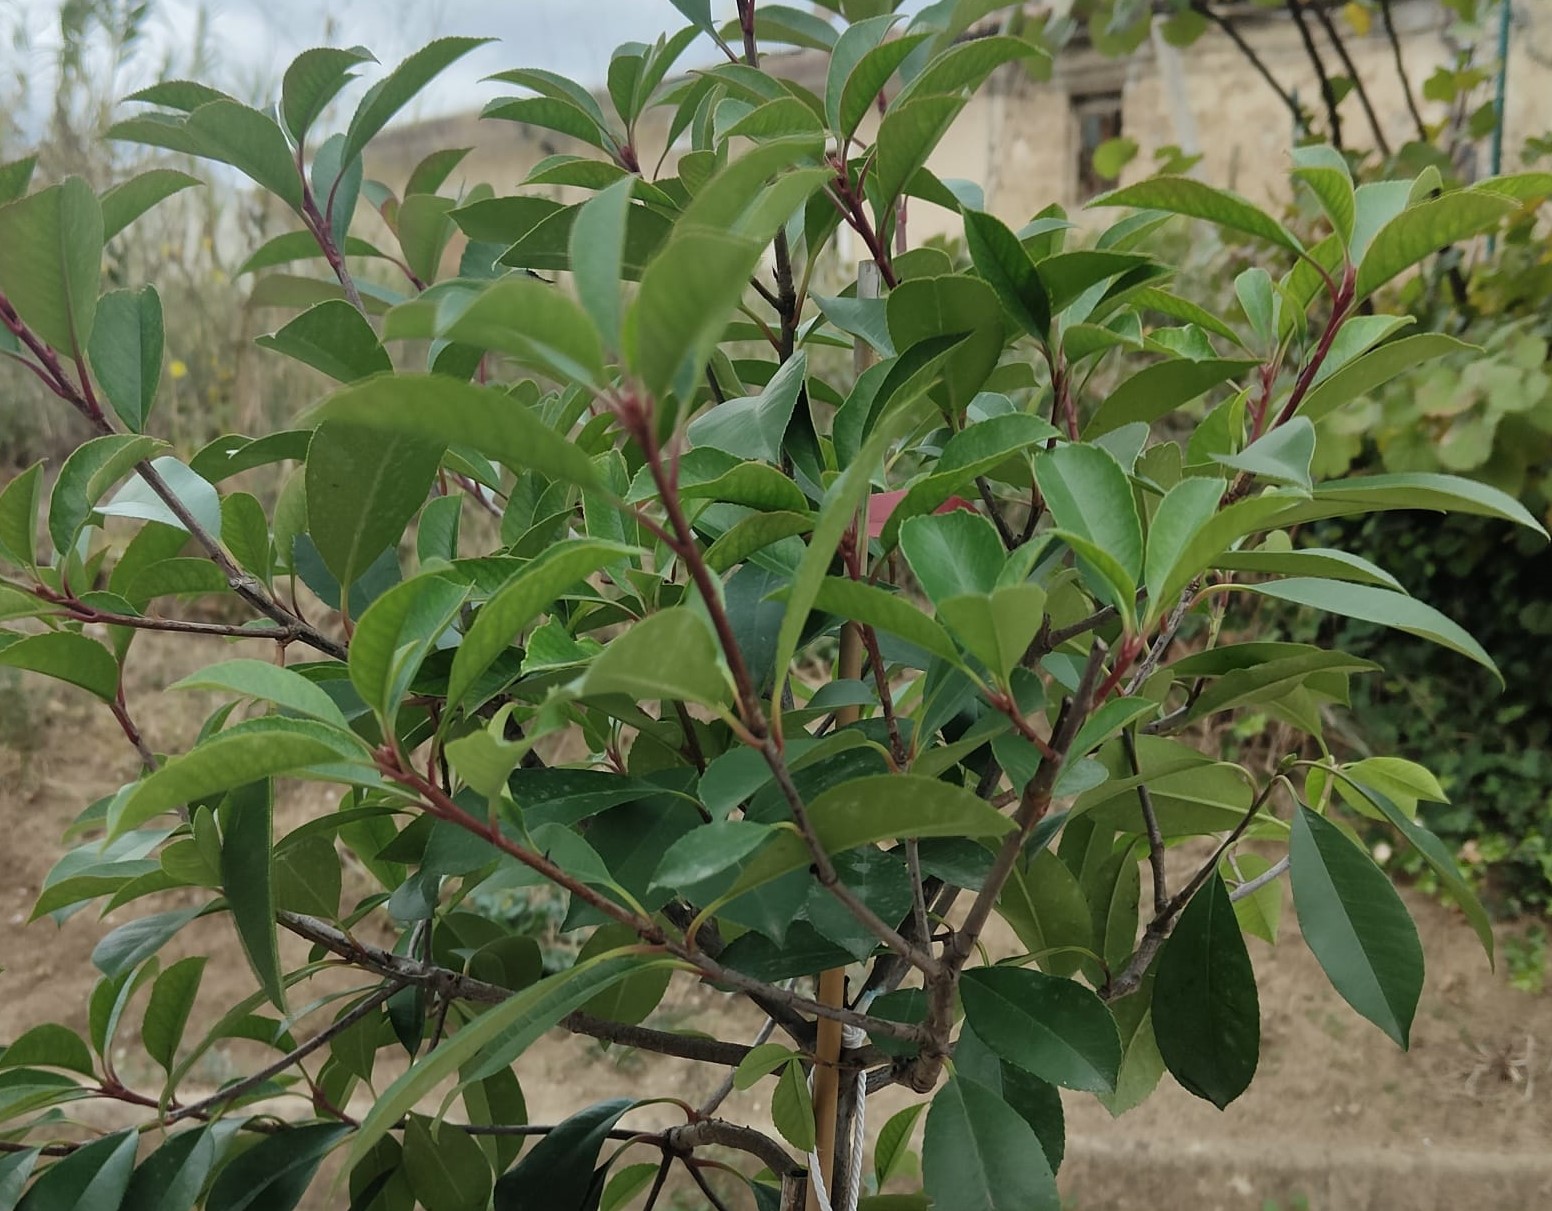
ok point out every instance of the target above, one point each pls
(1338, 1119)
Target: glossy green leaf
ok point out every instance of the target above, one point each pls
(65, 656)
(1187, 196)
(1206, 1015)
(671, 654)
(978, 1154)
(1376, 368)
(19, 501)
(1282, 456)
(559, 1171)
(92, 1177)
(1049, 1026)
(445, 1166)
(952, 554)
(1324, 170)
(167, 1012)
(391, 94)
(437, 409)
(135, 941)
(884, 611)
(1089, 495)
(268, 682)
(908, 135)
(248, 878)
(315, 78)
(1158, 390)
(172, 1177)
(275, 1173)
(598, 257)
(1044, 905)
(363, 486)
(754, 426)
(126, 352)
(890, 1149)
(49, 1045)
(1356, 925)
(130, 199)
(15, 177)
(1326, 563)
(1180, 516)
(1421, 230)
(998, 627)
(920, 310)
(333, 338)
(396, 634)
(1408, 490)
(871, 809)
(50, 262)
(1005, 265)
(1379, 606)
(707, 851)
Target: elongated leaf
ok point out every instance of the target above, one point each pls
(167, 1012)
(136, 941)
(885, 611)
(908, 135)
(445, 1167)
(269, 683)
(216, 765)
(493, 1040)
(1002, 260)
(1088, 494)
(315, 78)
(1421, 230)
(94, 1176)
(19, 501)
(248, 878)
(66, 656)
(395, 634)
(386, 98)
(1184, 195)
(1356, 925)
(1158, 390)
(251, 142)
(1413, 490)
(275, 1173)
(1206, 1015)
(978, 1154)
(559, 1172)
(1376, 368)
(871, 809)
(1180, 516)
(49, 1046)
(598, 257)
(172, 1177)
(363, 486)
(127, 201)
(1051, 1027)
(708, 850)
(1380, 606)
(126, 352)
(1281, 456)
(435, 408)
(50, 261)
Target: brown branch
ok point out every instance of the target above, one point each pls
(1340, 47)
(1327, 92)
(1255, 61)
(1150, 820)
(1401, 70)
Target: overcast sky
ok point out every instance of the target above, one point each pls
(255, 39)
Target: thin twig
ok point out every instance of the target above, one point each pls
(1150, 821)
(1354, 75)
(1327, 91)
(1401, 70)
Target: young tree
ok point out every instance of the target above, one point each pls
(865, 650)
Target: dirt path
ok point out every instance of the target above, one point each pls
(1337, 1115)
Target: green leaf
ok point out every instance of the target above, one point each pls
(559, 1173)
(1282, 456)
(1089, 496)
(294, 246)
(492, 1040)
(1158, 390)
(1379, 606)
(792, 1110)
(1044, 905)
(92, 1178)
(446, 1167)
(363, 486)
(65, 656)
(753, 427)
(92, 468)
(50, 260)
(132, 943)
(130, 199)
(1180, 516)
(922, 309)
(884, 611)
(15, 177)
(269, 683)
(1324, 169)
(333, 338)
(431, 173)
(275, 1173)
(1356, 925)
(391, 94)
(1206, 1016)
(49, 1046)
(908, 135)
(315, 78)
(894, 1137)
(216, 765)
(424, 232)
(172, 1177)
(1420, 231)
(871, 809)
(707, 851)
(252, 143)
(840, 509)
(598, 257)
(978, 1154)
(1376, 368)
(1437, 855)
(396, 634)
(671, 655)
(1049, 1026)
(126, 352)
(1183, 195)
(19, 501)
(952, 554)
(1037, 1102)
(248, 879)
(1415, 490)
(996, 628)
(1006, 266)
(1326, 562)
(849, 104)
(167, 1012)
(438, 409)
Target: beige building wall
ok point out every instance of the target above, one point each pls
(1020, 138)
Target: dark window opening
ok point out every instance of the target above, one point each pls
(1099, 119)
